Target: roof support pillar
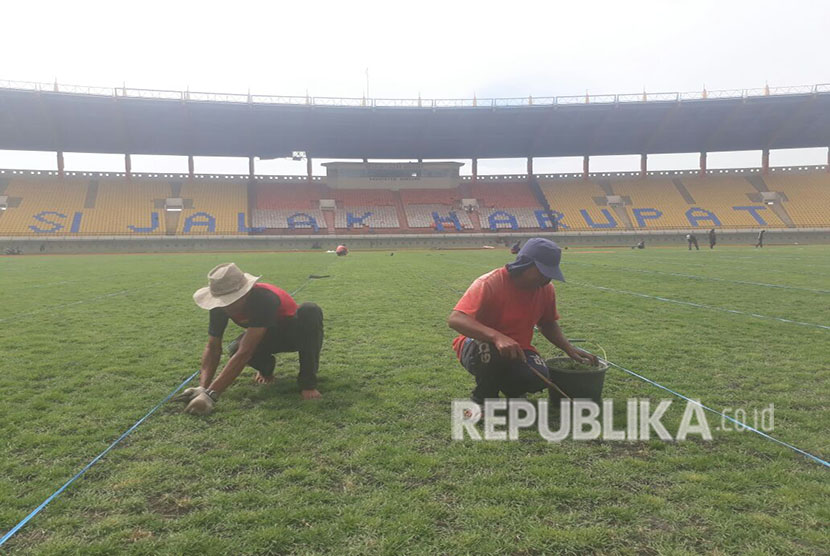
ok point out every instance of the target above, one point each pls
(251, 168)
(308, 167)
(190, 166)
(702, 171)
(529, 168)
(643, 165)
(586, 164)
(765, 161)
(828, 160)
(475, 167)
(60, 163)
(128, 166)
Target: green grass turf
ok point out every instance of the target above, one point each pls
(91, 343)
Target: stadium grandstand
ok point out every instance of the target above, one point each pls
(424, 198)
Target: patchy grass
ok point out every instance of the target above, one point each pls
(91, 343)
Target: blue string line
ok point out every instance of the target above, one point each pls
(37, 510)
(57, 493)
(679, 395)
(716, 412)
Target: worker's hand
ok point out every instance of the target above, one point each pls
(312, 394)
(509, 348)
(188, 394)
(259, 378)
(200, 405)
(582, 356)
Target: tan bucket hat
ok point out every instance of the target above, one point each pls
(226, 284)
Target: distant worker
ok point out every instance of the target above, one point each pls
(692, 241)
(712, 240)
(640, 245)
(341, 251)
(273, 324)
(760, 242)
(495, 319)
(514, 250)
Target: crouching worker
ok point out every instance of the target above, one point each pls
(495, 319)
(273, 324)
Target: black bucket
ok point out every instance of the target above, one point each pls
(579, 383)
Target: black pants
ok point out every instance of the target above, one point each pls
(494, 373)
(302, 333)
(693, 241)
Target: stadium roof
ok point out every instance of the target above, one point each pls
(95, 120)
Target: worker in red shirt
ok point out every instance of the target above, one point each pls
(273, 324)
(495, 320)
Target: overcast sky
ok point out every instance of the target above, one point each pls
(447, 49)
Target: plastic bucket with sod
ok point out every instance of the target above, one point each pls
(577, 380)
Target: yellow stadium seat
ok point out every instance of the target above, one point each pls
(47, 206)
(808, 197)
(216, 207)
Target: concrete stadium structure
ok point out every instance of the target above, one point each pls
(90, 211)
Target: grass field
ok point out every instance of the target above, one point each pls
(91, 343)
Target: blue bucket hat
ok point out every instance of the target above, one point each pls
(542, 252)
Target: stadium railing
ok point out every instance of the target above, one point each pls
(199, 96)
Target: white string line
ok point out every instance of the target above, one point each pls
(78, 302)
(687, 264)
(771, 259)
(687, 303)
(63, 282)
(695, 277)
(697, 402)
(775, 254)
(763, 434)
(701, 306)
(48, 285)
(105, 296)
(778, 258)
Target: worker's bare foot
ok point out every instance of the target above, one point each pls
(311, 394)
(259, 378)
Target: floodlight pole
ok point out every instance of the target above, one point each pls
(765, 161)
(60, 163)
(702, 171)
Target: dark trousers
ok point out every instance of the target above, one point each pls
(494, 373)
(302, 333)
(693, 241)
